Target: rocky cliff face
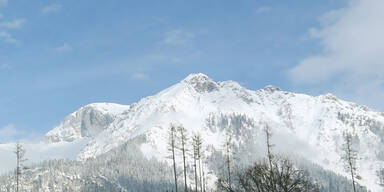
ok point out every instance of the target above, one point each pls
(88, 121)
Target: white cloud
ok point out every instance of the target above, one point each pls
(15, 24)
(263, 9)
(352, 59)
(51, 8)
(178, 37)
(6, 37)
(139, 76)
(64, 48)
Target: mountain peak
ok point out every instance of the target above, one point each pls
(201, 82)
(272, 88)
(194, 76)
(105, 107)
(330, 96)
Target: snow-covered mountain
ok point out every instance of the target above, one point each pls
(308, 126)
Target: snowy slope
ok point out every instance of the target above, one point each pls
(306, 125)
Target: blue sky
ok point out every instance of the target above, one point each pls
(56, 56)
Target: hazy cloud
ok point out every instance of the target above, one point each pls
(6, 37)
(5, 66)
(263, 9)
(15, 24)
(351, 61)
(51, 8)
(64, 48)
(139, 76)
(178, 37)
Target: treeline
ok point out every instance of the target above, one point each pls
(122, 169)
(277, 173)
(193, 166)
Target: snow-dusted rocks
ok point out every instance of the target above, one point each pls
(88, 121)
(201, 83)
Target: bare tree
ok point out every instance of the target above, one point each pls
(257, 178)
(183, 141)
(228, 155)
(197, 143)
(171, 149)
(350, 157)
(20, 159)
(268, 134)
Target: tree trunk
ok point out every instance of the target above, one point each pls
(183, 137)
(203, 181)
(174, 162)
(185, 167)
(201, 184)
(17, 169)
(351, 166)
(270, 158)
(195, 165)
(171, 149)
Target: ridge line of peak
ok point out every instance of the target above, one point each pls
(195, 76)
(272, 88)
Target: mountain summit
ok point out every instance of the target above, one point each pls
(201, 83)
(303, 125)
